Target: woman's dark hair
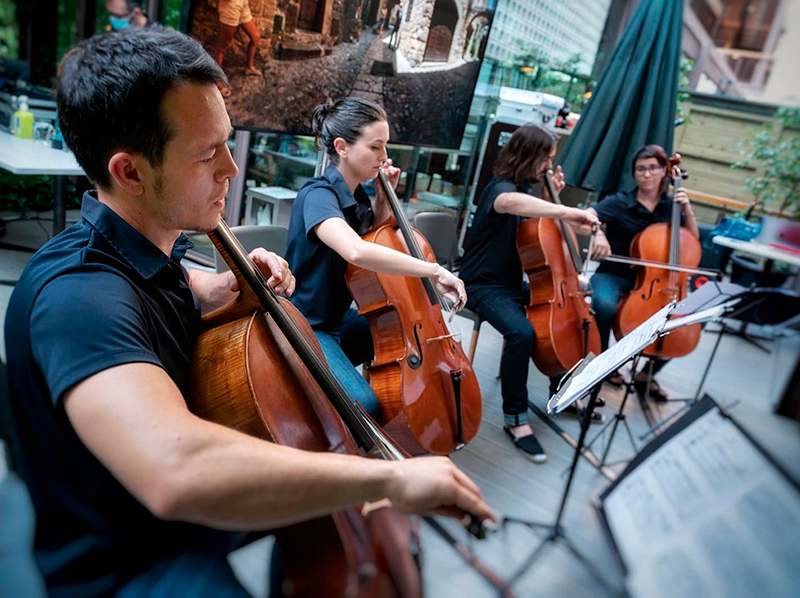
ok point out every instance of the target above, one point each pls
(109, 91)
(528, 146)
(651, 151)
(345, 118)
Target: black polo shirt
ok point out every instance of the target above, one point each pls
(624, 218)
(95, 296)
(491, 256)
(321, 293)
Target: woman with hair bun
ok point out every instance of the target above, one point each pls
(329, 216)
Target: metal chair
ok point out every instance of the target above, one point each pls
(476, 329)
(439, 228)
(271, 238)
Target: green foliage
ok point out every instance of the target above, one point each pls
(67, 28)
(556, 78)
(685, 67)
(9, 33)
(774, 152)
(172, 13)
(32, 193)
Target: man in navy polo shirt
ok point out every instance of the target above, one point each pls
(131, 490)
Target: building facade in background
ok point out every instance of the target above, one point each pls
(559, 30)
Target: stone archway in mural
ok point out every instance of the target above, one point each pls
(440, 35)
(476, 36)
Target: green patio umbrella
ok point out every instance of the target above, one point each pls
(633, 103)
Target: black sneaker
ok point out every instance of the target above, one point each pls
(528, 445)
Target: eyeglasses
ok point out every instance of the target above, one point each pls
(653, 169)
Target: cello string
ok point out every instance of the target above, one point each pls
(416, 251)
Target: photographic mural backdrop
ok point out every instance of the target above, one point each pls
(419, 59)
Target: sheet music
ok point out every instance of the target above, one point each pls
(707, 515)
(599, 367)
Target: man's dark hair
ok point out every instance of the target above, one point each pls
(345, 118)
(529, 145)
(109, 92)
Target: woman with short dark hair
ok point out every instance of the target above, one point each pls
(626, 214)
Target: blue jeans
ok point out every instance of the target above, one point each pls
(607, 291)
(18, 573)
(504, 308)
(190, 575)
(345, 348)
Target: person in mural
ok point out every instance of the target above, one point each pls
(492, 271)
(232, 14)
(125, 13)
(329, 216)
(381, 20)
(397, 18)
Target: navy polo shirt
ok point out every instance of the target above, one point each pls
(491, 256)
(95, 296)
(624, 218)
(321, 293)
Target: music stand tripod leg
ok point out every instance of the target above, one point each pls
(692, 400)
(555, 529)
(619, 416)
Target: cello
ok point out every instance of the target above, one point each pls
(258, 368)
(429, 395)
(656, 286)
(564, 326)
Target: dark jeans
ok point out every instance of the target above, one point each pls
(607, 291)
(504, 308)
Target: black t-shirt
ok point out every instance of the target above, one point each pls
(624, 218)
(491, 255)
(321, 293)
(95, 296)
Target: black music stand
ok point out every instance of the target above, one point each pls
(618, 418)
(586, 378)
(710, 295)
(763, 306)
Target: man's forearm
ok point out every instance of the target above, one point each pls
(213, 290)
(242, 483)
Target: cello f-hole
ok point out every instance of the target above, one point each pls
(563, 303)
(649, 293)
(416, 360)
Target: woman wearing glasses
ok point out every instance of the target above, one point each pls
(625, 215)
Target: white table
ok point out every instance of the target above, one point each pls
(771, 254)
(269, 205)
(24, 157)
